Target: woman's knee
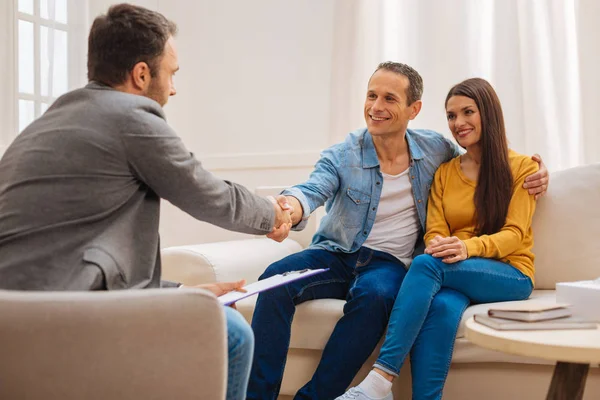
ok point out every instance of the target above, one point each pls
(424, 260)
(449, 305)
(425, 263)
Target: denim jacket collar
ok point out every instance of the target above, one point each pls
(416, 153)
(369, 154)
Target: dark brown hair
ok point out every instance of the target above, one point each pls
(495, 181)
(123, 37)
(415, 82)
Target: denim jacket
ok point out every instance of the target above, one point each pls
(348, 180)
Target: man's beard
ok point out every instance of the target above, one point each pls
(156, 92)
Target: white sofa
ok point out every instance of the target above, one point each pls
(566, 228)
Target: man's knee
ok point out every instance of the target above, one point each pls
(286, 264)
(279, 295)
(240, 337)
(379, 296)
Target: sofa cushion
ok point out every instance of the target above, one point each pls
(565, 226)
(314, 320)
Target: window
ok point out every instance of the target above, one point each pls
(42, 62)
(42, 51)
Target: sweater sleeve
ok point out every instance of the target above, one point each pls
(518, 220)
(436, 218)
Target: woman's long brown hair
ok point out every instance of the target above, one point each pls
(495, 180)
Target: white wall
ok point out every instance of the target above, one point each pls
(253, 93)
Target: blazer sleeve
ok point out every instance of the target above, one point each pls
(159, 159)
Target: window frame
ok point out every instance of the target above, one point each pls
(76, 28)
(37, 21)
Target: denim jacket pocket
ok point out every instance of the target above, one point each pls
(115, 279)
(357, 208)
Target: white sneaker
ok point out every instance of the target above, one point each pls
(357, 393)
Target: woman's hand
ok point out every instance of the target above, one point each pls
(451, 249)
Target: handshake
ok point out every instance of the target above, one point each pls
(283, 217)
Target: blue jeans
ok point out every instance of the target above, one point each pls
(415, 322)
(240, 344)
(368, 280)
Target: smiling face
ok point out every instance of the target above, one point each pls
(386, 109)
(464, 120)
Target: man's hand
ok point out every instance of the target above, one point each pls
(537, 183)
(297, 211)
(451, 249)
(283, 219)
(220, 288)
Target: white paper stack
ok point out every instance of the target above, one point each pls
(583, 296)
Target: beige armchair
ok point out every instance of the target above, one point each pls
(134, 344)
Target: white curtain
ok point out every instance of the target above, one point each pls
(540, 55)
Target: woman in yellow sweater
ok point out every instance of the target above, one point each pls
(478, 238)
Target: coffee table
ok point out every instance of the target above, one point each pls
(573, 350)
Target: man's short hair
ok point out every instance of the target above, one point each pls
(123, 37)
(414, 91)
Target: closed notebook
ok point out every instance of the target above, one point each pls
(554, 324)
(530, 311)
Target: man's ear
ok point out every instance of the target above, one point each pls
(415, 109)
(140, 75)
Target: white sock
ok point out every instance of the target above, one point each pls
(376, 386)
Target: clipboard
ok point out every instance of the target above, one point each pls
(268, 284)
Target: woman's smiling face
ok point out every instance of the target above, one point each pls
(464, 120)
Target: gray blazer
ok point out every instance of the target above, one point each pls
(80, 191)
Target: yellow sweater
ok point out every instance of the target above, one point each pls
(451, 212)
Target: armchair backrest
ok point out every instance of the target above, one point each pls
(133, 344)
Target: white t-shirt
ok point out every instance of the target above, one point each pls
(396, 227)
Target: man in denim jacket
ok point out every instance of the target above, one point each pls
(375, 187)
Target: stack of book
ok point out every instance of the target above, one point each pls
(530, 315)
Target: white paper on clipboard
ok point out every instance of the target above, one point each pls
(267, 284)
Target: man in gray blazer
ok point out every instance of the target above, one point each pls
(80, 188)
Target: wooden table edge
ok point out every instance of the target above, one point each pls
(526, 348)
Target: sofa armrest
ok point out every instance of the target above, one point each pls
(223, 261)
